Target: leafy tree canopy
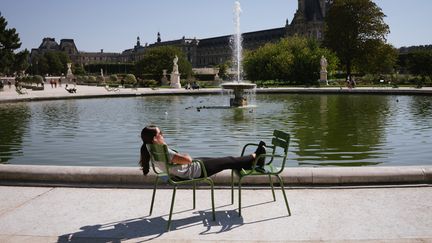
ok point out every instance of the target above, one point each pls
(420, 63)
(21, 62)
(51, 62)
(9, 42)
(351, 25)
(156, 59)
(295, 60)
(379, 58)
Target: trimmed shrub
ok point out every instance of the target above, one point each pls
(91, 79)
(150, 83)
(130, 79)
(38, 79)
(100, 79)
(113, 78)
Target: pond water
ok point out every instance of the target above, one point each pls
(326, 130)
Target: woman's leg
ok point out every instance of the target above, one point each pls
(215, 165)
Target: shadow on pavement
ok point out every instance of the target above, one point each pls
(151, 228)
(147, 228)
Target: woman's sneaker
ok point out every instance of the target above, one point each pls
(260, 150)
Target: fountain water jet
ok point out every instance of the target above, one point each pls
(238, 86)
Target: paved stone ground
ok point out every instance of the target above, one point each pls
(87, 91)
(336, 214)
(9, 94)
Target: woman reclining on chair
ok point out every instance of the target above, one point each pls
(186, 168)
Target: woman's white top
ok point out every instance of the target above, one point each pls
(187, 171)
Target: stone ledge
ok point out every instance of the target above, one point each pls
(132, 176)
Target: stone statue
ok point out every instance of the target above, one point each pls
(323, 72)
(175, 75)
(175, 66)
(324, 64)
(101, 72)
(69, 71)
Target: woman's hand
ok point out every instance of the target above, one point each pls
(182, 159)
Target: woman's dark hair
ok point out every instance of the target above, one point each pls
(147, 135)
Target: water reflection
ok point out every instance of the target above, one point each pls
(421, 107)
(340, 130)
(326, 129)
(332, 129)
(14, 119)
(59, 119)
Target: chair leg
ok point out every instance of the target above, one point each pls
(194, 196)
(232, 186)
(272, 187)
(172, 207)
(283, 192)
(239, 192)
(154, 194)
(212, 199)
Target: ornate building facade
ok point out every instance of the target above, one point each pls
(308, 21)
(309, 18)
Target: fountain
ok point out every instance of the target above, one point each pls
(238, 86)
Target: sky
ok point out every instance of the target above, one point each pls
(114, 25)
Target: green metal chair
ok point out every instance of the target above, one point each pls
(280, 143)
(160, 153)
(20, 90)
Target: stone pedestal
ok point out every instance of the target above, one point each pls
(175, 81)
(323, 77)
(239, 99)
(323, 72)
(164, 80)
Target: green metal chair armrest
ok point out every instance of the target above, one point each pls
(247, 145)
(271, 147)
(255, 144)
(203, 168)
(272, 156)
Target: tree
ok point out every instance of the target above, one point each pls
(156, 59)
(77, 69)
(9, 41)
(21, 61)
(39, 65)
(55, 65)
(295, 60)
(109, 68)
(223, 69)
(52, 62)
(379, 58)
(420, 63)
(350, 26)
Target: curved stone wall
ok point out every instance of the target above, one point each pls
(133, 177)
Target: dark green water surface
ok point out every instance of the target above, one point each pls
(326, 130)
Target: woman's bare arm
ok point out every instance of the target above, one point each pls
(181, 159)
